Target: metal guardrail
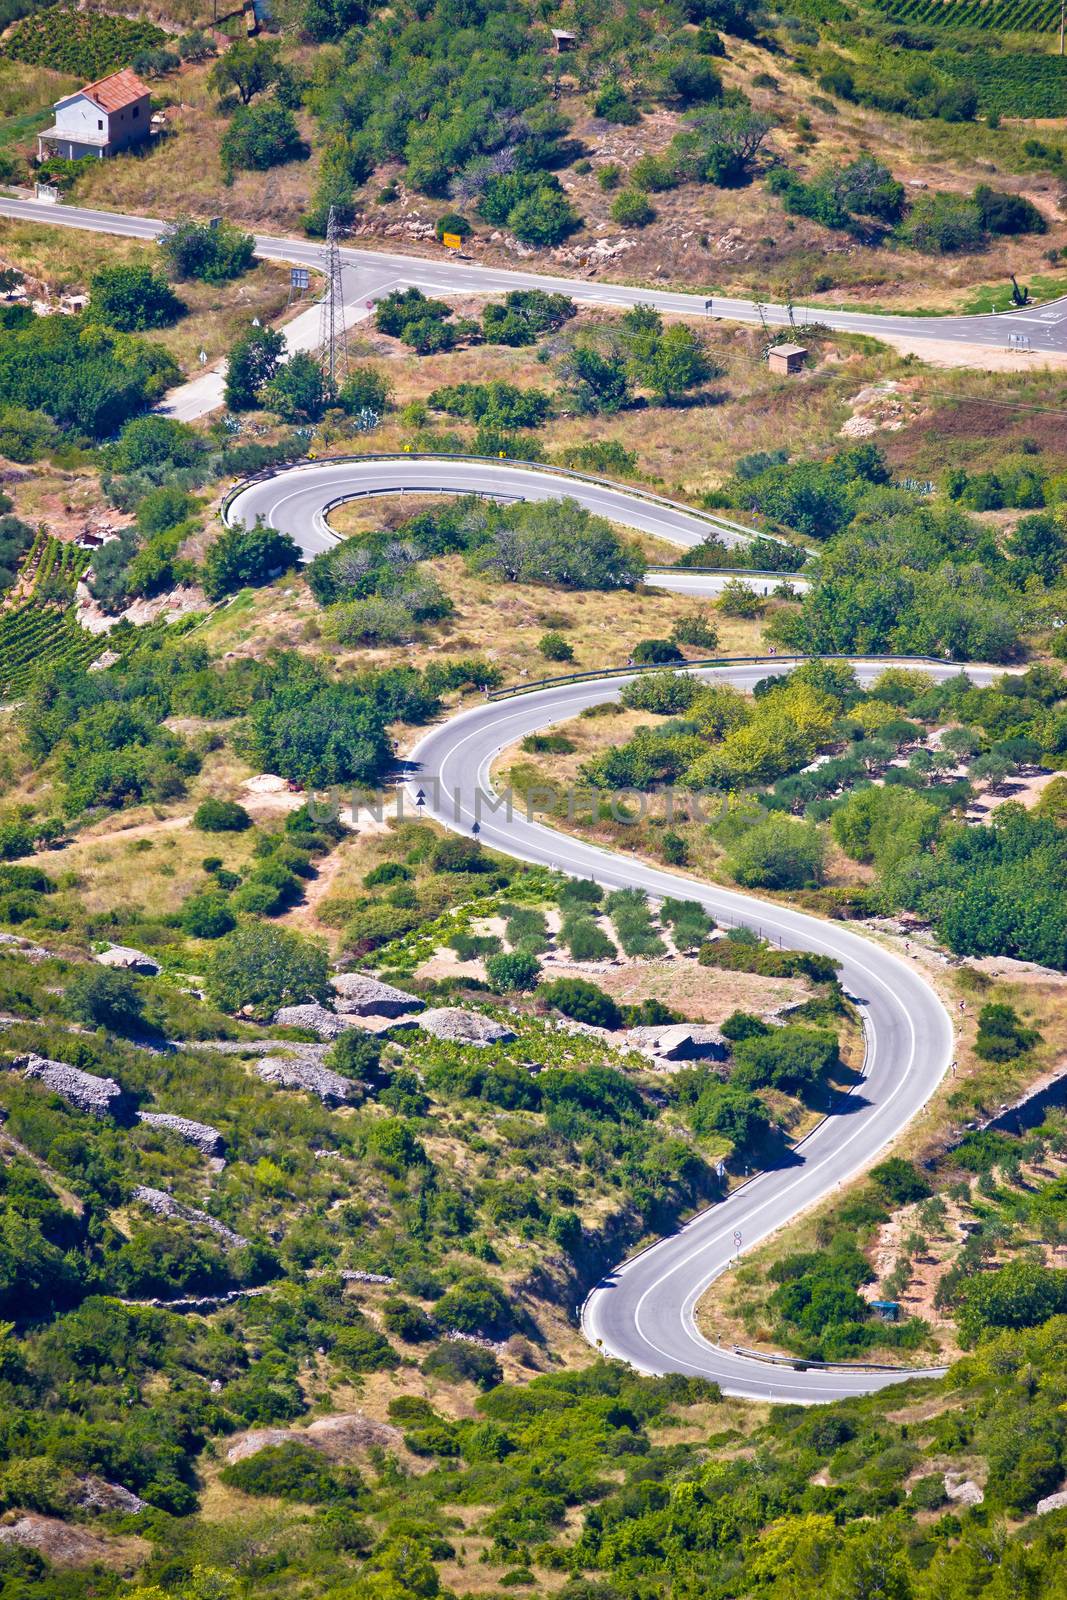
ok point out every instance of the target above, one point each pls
(516, 689)
(801, 1364)
(679, 570)
(508, 461)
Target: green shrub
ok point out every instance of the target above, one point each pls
(512, 970)
(289, 1471)
(221, 816)
(455, 1362)
(581, 1000)
(631, 209)
(554, 647)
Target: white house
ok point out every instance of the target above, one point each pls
(99, 120)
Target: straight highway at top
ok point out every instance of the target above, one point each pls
(1045, 326)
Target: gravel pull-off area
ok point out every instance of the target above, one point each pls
(100, 1097)
(290, 1072)
(208, 1140)
(165, 1205)
(464, 1027)
(360, 995)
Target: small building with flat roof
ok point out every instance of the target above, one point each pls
(786, 358)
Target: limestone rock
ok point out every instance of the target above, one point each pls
(293, 1072)
(679, 1041)
(964, 1491)
(1051, 1502)
(127, 959)
(464, 1027)
(98, 1495)
(165, 1205)
(360, 995)
(208, 1140)
(100, 1097)
(318, 1018)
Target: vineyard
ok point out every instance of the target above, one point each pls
(998, 16)
(1012, 84)
(39, 630)
(87, 44)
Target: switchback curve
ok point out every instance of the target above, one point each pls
(643, 1312)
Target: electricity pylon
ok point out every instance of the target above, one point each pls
(333, 345)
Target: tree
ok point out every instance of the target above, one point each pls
(298, 392)
(320, 734)
(260, 137)
(596, 384)
(544, 217)
(942, 224)
(249, 67)
(719, 145)
(252, 364)
(212, 251)
(106, 998)
(780, 853)
(263, 966)
(243, 556)
(133, 298)
(558, 542)
(365, 389)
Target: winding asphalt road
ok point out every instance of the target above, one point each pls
(373, 273)
(644, 1311)
(296, 501)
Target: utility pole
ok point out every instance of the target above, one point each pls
(1063, 8)
(333, 345)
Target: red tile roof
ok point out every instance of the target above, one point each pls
(122, 88)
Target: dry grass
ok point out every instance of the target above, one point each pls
(182, 171)
(59, 261)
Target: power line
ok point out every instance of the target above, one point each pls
(980, 400)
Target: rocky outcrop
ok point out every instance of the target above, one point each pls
(63, 1544)
(208, 1140)
(11, 944)
(360, 995)
(678, 1042)
(1051, 1502)
(963, 1491)
(96, 1494)
(100, 1097)
(165, 1205)
(464, 1027)
(339, 1437)
(315, 1017)
(292, 1072)
(126, 959)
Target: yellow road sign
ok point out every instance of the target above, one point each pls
(452, 241)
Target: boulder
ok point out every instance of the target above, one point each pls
(100, 1097)
(360, 995)
(208, 1140)
(1051, 1502)
(318, 1018)
(963, 1491)
(127, 959)
(464, 1027)
(162, 1204)
(679, 1041)
(292, 1072)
